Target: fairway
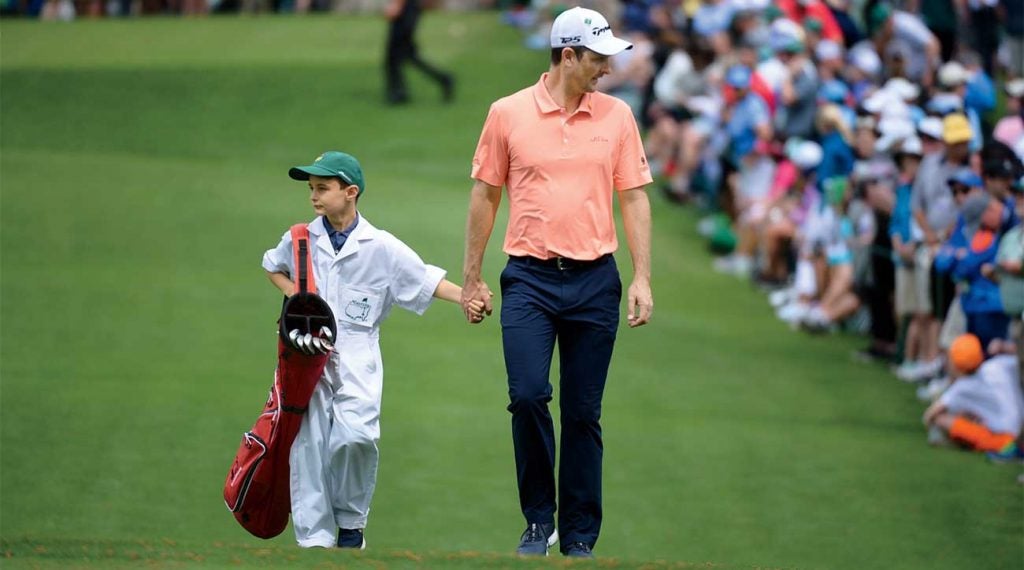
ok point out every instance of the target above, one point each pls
(142, 175)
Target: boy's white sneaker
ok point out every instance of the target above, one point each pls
(932, 390)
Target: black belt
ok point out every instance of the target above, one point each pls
(561, 263)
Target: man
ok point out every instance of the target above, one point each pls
(404, 16)
(934, 209)
(560, 149)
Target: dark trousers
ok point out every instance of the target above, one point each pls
(402, 48)
(578, 307)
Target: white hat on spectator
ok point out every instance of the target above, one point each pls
(805, 155)
(865, 59)
(953, 74)
(912, 145)
(945, 103)
(828, 50)
(1015, 88)
(931, 126)
(586, 28)
(750, 5)
(893, 131)
(902, 88)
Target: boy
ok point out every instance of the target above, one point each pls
(983, 408)
(361, 272)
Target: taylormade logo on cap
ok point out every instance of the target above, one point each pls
(586, 28)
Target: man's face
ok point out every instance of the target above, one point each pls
(962, 192)
(588, 69)
(957, 152)
(330, 197)
(992, 217)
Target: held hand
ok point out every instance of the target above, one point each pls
(640, 304)
(476, 300)
(475, 313)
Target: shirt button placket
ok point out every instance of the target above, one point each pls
(565, 134)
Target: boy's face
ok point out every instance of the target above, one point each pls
(330, 197)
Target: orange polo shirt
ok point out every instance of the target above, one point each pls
(560, 170)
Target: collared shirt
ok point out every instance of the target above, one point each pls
(560, 170)
(338, 237)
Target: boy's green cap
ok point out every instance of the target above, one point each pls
(332, 164)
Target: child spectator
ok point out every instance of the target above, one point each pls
(983, 408)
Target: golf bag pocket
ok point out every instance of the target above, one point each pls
(256, 490)
(245, 467)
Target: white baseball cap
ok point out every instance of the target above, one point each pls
(952, 74)
(586, 28)
(931, 126)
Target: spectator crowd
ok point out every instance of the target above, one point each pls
(862, 162)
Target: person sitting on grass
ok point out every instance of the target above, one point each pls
(984, 407)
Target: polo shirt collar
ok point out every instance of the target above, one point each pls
(547, 105)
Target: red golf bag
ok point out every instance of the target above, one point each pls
(257, 489)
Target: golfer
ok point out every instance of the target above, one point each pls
(564, 152)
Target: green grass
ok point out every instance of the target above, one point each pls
(142, 175)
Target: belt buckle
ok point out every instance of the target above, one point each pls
(558, 263)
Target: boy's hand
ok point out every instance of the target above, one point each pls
(476, 293)
(475, 314)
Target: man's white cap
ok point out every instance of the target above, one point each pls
(1015, 88)
(805, 155)
(827, 50)
(586, 28)
(865, 59)
(902, 88)
(953, 74)
(931, 126)
(912, 146)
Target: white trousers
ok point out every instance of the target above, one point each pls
(333, 469)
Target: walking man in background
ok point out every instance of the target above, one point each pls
(563, 151)
(404, 15)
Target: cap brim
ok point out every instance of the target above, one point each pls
(610, 45)
(304, 172)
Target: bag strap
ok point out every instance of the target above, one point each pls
(304, 280)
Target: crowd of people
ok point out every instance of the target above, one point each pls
(859, 163)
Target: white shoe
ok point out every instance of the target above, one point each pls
(793, 312)
(930, 369)
(932, 390)
(781, 297)
(724, 264)
(706, 226)
(907, 370)
(936, 437)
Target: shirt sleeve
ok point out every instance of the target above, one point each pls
(490, 161)
(279, 259)
(413, 282)
(631, 168)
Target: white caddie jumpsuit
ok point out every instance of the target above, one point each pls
(334, 457)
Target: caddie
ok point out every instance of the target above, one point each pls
(362, 272)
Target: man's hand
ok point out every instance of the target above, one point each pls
(640, 304)
(476, 300)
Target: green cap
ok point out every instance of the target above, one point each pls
(878, 16)
(332, 164)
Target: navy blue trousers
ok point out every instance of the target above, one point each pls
(579, 308)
